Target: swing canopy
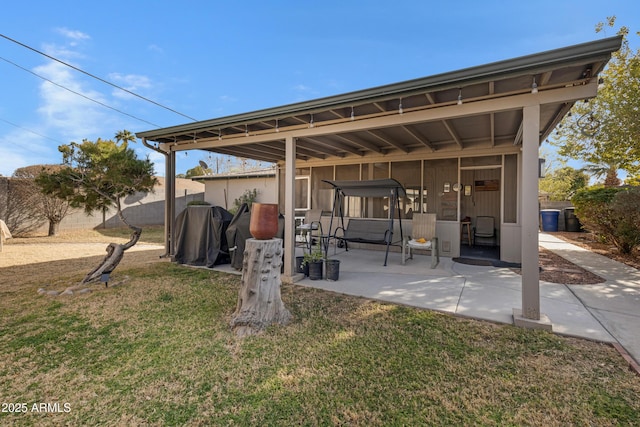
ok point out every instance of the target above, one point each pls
(370, 188)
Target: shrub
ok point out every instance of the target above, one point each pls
(248, 197)
(613, 212)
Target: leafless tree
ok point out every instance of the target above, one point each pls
(52, 208)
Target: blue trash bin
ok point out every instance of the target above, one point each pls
(550, 219)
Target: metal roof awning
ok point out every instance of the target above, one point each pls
(473, 108)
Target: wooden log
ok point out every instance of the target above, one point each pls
(259, 301)
(115, 252)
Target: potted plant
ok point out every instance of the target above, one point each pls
(314, 259)
(332, 269)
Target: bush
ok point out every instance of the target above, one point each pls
(248, 197)
(613, 212)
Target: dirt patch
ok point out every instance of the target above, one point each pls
(555, 269)
(590, 242)
(43, 264)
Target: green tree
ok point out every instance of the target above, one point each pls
(97, 175)
(197, 171)
(605, 131)
(562, 184)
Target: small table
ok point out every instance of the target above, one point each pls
(468, 225)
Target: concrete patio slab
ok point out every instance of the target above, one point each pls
(607, 312)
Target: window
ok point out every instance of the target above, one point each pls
(352, 205)
(303, 193)
(409, 175)
(510, 188)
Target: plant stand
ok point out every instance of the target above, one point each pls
(259, 302)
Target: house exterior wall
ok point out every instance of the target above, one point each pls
(433, 183)
(224, 191)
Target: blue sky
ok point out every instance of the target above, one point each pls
(208, 59)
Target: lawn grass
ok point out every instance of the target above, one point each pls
(158, 350)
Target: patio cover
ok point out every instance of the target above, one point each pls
(498, 107)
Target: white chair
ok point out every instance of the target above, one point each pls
(423, 226)
(485, 229)
(311, 228)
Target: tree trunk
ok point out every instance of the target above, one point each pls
(259, 300)
(53, 228)
(115, 252)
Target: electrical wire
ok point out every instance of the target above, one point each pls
(31, 131)
(78, 93)
(96, 77)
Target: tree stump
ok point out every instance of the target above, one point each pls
(259, 300)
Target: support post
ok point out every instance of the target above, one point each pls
(529, 315)
(170, 182)
(289, 210)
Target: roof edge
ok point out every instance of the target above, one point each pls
(519, 65)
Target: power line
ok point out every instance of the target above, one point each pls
(77, 93)
(31, 131)
(96, 77)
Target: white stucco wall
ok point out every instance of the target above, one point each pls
(224, 191)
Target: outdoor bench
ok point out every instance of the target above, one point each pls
(364, 230)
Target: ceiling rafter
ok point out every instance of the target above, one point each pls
(421, 139)
(446, 123)
(336, 114)
(388, 141)
(360, 142)
(318, 146)
(453, 133)
(379, 107)
(247, 153)
(336, 146)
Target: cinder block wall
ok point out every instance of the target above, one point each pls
(138, 209)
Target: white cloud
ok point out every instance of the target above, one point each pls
(155, 48)
(70, 115)
(302, 88)
(74, 35)
(131, 82)
(19, 149)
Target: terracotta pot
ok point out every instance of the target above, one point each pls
(264, 221)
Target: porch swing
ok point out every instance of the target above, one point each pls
(365, 230)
